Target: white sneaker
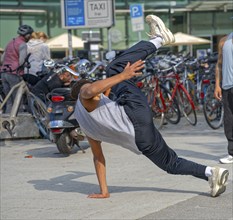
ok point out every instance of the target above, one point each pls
(158, 28)
(227, 159)
(218, 181)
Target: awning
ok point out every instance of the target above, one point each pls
(185, 39)
(61, 42)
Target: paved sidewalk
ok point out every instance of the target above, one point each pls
(50, 186)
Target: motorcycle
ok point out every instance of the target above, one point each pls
(65, 131)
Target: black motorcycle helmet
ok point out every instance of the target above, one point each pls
(24, 30)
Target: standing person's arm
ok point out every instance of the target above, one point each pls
(99, 162)
(218, 71)
(22, 53)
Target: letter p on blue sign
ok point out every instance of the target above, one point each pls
(136, 10)
(137, 17)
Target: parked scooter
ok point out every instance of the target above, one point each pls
(65, 130)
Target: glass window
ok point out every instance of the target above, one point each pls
(223, 22)
(201, 22)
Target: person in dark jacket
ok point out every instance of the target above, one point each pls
(50, 82)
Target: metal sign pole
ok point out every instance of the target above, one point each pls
(109, 40)
(139, 35)
(70, 44)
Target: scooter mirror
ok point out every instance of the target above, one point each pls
(49, 63)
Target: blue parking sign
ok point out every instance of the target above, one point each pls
(136, 10)
(137, 17)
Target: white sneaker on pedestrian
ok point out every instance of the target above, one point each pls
(158, 28)
(218, 181)
(227, 159)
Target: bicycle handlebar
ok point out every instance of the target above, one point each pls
(175, 64)
(66, 68)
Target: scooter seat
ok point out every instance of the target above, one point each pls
(61, 91)
(66, 92)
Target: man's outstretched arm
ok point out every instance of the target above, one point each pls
(89, 91)
(99, 162)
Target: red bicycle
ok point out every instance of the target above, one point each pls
(159, 98)
(176, 86)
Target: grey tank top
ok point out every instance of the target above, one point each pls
(108, 123)
(227, 65)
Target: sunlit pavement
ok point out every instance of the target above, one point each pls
(39, 183)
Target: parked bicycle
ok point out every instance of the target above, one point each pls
(213, 109)
(178, 90)
(197, 78)
(160, 99)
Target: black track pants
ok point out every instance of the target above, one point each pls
(228, 117)
(147, 137)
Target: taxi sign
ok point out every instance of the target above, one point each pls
(87, 13)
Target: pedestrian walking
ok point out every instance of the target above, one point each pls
(127, 121)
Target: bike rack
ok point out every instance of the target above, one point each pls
(22, 126)
(9, 126)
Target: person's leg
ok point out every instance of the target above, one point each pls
(147, 137)
(11, 80)
(149, 140)
(139, 51)
(8, 81)
(165, 158)
(228, 118)
(6, 90)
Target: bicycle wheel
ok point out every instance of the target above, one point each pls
(156, 107)
(187, 106)
(172, 112)
(213, 109)
(38, 110)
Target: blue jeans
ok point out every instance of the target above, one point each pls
(148, 139)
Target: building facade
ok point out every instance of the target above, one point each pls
(208, 19)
